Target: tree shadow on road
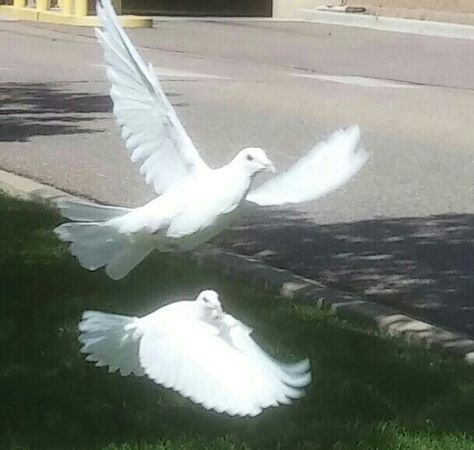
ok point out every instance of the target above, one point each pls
(423, 264)
(45, 109)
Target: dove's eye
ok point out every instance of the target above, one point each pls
(249, 157)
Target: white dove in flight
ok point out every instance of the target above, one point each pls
(196, 349)
(195, 202)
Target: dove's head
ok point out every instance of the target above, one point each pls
(209, 304)
(255, 160)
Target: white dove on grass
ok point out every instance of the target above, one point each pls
(195, 202)
(196, 349)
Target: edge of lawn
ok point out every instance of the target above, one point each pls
(388, 319)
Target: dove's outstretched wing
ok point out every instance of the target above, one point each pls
(220, 368)
(153, 134)
(329, 165)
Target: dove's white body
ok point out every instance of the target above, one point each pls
(202, 204)
(195, 202)
(197, 350)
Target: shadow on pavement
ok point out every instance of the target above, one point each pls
(423, 265)
(44, 109)
(48, 109)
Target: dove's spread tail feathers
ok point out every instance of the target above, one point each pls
(111, 340)
(80, 211)
(96, 243)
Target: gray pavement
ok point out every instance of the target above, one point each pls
(402, 232)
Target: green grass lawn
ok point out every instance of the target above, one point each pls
(368, 392)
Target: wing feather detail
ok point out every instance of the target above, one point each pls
(220, 367)
(153, 133)
(328, 166)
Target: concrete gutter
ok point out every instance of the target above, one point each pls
(388, 319)
(382, 23)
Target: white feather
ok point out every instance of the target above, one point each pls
(325, 168)
(81, 211)
(111, 340)
(196, 202)
(153, 133)
(199, 351)
(98, 245)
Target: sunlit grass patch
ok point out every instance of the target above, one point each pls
(368, 391)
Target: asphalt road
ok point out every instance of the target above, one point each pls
(402, 232)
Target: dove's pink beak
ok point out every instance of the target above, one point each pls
(270, 167)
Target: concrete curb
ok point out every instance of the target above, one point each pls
(289, 285)
(382, 23)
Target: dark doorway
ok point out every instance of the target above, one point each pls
(249, 8)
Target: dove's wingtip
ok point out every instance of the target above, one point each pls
(353, 130)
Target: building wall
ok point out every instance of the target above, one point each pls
(277, 8)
